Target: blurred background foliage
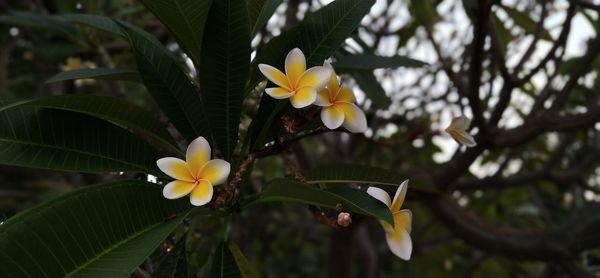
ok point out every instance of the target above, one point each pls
(524, 203)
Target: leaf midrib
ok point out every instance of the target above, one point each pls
(189, 26)
(108, 118)
(166, 83)
(108, 250)
(74, 151)
(313, 181)
(322, 41)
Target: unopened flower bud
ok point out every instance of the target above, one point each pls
(261, 86)
(344, 219)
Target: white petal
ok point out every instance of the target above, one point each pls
(278, 93)
(202, 193)
(332, 117)
(403, 219)
(177, 189)
(175, 168)
(354, 118)
(323, 98)
(400, 244)
(462, 137)
(315, 77)
(295, 65)
(380, 195)
(197, 154)
(399, 196)
(215, 171)
(275, 75)
(304, 97)
(460, 123)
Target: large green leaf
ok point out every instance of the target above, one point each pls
(168, 84)
(352, 173)
(45, 22)
(69, 141)
(111, 109)
(96, 73)
(322, 32)
(174, 264)
(245, 268)
(105, 230)
(224, 70)
(224, 264)
(259, 130)
(354, 200)
(503, 34)
(358, 174)
(185, 19)
(260, 11)
(96, 21)
(367, 81)
(371, 62)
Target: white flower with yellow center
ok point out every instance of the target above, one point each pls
(338, 106)
(397, 237)
(74, 63)
(196, 175)
(297, 84)
(458, 130)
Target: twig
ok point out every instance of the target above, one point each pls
(229, 191)
(293, 168)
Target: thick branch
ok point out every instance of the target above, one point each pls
(561, 243)
(548, 121)
(475, 68)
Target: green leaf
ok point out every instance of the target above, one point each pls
(168, 84)
(407, 32)
(523, 20)
(504, 36)
(245, 268)
(224, 264)
(96, 21)
(353, 200)
(97, 73)
(260, 11)
(371, 62)
(358, 174)
(174, 265)
(44, 22)
(185, 19)
(372, 88)
(322, 32)
(260, 125)
(104, 230)
(224, 70)
(110, 109)
(69, 141)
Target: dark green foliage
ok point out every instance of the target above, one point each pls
(105, 230)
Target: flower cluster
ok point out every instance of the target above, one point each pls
(319, 86)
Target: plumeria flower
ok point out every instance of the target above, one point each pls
(398, 236)
(297, 84)
(458, 130)
(74, 63)
(338, 106)
(196, 175)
